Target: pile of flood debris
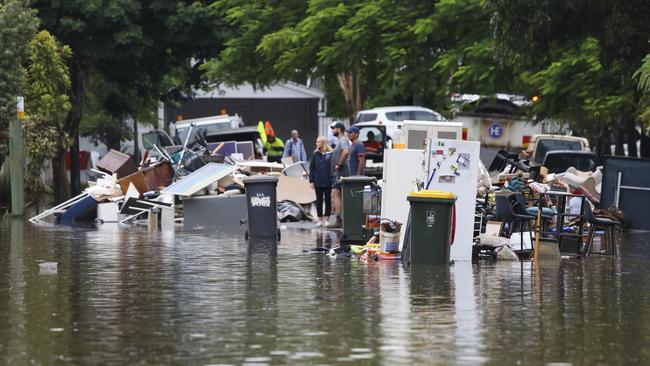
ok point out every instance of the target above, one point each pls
(199, 187)
(517, 199)
(512, 171)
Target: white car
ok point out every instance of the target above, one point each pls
(394, 117)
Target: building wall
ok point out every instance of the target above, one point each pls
(284, 114)
(511, 130)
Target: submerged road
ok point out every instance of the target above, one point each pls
(129, 296)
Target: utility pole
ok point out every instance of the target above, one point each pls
(75, 171)
(16, 160)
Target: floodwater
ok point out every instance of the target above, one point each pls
(132, 296)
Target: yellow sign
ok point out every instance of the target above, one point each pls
(20, 107)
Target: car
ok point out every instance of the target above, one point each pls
(558, 161)
(394, 117)
(541, 144)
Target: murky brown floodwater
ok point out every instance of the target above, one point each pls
(127, 296)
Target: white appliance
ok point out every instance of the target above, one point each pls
(414, 134)
(453, 166)
(402, 169)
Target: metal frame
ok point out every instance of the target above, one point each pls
(617, 196)
(59, 208)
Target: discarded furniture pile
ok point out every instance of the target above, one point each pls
(528, 209)
(199, 187)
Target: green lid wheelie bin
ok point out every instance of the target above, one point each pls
(430, 226)
(352, 213)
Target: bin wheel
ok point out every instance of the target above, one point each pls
(246, 235)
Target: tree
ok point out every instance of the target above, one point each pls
(376, 51)
(47, 84)
(294, 40)
(130, 43)
(531, 33)
(452, 48)
(576, 89)
(18, 27)
(108, 107)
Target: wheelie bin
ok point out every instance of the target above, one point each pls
(431, 227)
(262, 207)
(352, 214)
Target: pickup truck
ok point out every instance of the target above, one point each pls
(558, 161)
(540, 145)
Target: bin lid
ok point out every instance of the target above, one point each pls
(358, 179)
(433, 194)
(260, 179)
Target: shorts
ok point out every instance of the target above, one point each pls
(336, 182)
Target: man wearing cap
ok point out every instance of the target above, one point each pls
(340, 168)
(357, 152)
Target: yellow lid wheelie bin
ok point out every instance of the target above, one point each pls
(431, 225)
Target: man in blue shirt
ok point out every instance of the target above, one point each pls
(295, 148)
(357, 152)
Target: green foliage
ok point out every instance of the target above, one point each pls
(377, 51)
(107, 109)
(17, 27)
(47, 85)
(130, 46)
(583, 54)
(574, 88)
(249, 22)
(643, 74)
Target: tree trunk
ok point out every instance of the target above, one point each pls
(136, 147)
(352, 92)
(357, 99)
(603, 143)
(630, 136)
(59, 178)
(645, 145)
(619, 133)
(79, 76)
(345, 83)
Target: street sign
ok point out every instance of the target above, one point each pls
(495, 130)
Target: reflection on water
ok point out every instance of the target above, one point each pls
(127, 295)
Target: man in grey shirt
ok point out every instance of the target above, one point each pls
(340, 168)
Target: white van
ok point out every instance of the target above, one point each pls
(394, 117)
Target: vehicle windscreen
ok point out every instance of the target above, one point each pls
(545, 145)
(204, 130)
(372, 139)
(157, 138)
(559, 163)
(401, 116)
(366, 117)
